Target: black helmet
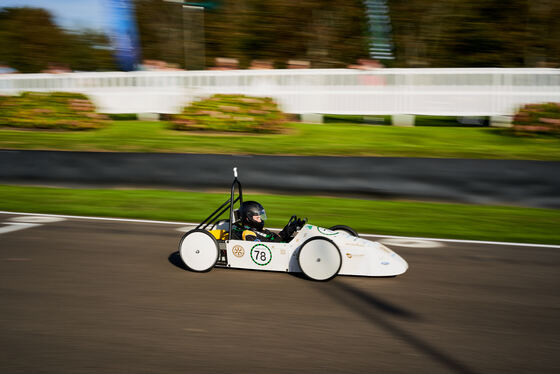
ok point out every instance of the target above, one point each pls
(248, 211)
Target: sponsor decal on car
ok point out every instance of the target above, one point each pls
(261, 254)
(238, 251)
(325, 231)
(350, 255)
(352, 244)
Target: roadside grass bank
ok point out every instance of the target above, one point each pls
(403, 218)
(333, 139)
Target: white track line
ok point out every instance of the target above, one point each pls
(362, 235)
(101, 218)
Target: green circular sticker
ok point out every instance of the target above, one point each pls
(261, 254)
(325, 231)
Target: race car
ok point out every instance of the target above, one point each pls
(319, 253)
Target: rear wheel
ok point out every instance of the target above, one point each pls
(199, 250)
(319, 259)
(344, 228)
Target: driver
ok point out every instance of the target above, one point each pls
(251, 225)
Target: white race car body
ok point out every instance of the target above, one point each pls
(318, 253)
(359, 256)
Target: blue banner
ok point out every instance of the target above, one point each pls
(123, 33)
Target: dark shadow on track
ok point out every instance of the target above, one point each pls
(175, 259)
(361, 303)
(376, 302)
(369, 306)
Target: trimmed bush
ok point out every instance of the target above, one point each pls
(231, 113)
(537, 119)
(52, 110)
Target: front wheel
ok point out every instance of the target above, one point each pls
(199, 250)
(344, 228)
(319, 259)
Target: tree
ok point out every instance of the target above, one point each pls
(89, 51)
(160, 29)
(475, 33)
(29, 38)
(326, 32)
(31, 41)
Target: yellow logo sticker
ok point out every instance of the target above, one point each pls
(238, 251)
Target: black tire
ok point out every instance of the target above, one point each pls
(323, 252)
(201, 254)
(346, 229)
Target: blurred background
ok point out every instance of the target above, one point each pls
(432, 126)
(442, 79)
(65, 35)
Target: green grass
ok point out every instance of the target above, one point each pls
(495, 223)
(419, 120)
(300, 139)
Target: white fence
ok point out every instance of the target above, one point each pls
(464, 92)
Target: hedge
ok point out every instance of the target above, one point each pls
(50, 110)
(537, 119)
(231, 113)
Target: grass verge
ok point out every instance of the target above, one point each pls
(299, 139)
(459, 221)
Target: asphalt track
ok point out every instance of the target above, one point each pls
(95, 296)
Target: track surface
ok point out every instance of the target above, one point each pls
(84, 296)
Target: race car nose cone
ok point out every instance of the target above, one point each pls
(394, 263)
(401, 264)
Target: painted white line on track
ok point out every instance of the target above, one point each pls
(16, 226)
(36, 219)
(361, 235)
(466, 241)
(101, 218)
(403, 242)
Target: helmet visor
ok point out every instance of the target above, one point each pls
(259, 216)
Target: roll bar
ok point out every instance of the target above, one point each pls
(228, 204)
(233, 201)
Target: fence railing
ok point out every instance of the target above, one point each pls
(468, 91)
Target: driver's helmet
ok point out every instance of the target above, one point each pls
(252, 214)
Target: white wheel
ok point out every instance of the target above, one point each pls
(199, 250)
(319, 259)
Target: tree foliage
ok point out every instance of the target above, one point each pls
(31, 41)
(325, 32)
(160, 28)
(476, 33)
(435, 33)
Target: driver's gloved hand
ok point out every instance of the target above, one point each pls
(292, 228)
(301, 222)
(289, 229)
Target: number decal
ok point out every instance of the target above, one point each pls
(261, 254)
